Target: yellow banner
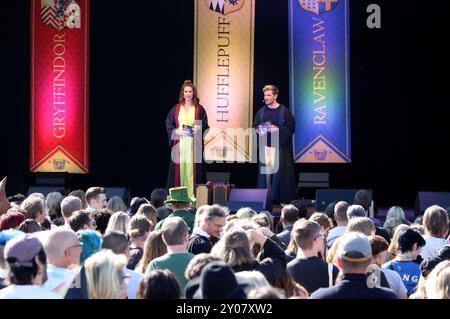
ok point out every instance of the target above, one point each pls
(223, 74)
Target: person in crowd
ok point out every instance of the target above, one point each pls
(289, 215)
(30, 226)
(185, 125)
(105, 275)
(81, 220)
(117, 242)
(218, 274)
(340, 216)
(118, 221)
(136, 203)
(101, 218)
(69, 205)
(158, 196)
(95, 198)
(236, 246)
(363, 225)
(91, 242)
(409, 245)
(12, 219)
(159, 284)
(81, 194)
(53, 205)
(116, 204)
(324, 222)
(379, 249)
(364, 198)
(27, 264)
(138, 230)
(180, 201)
(207, 234)
(63, 250)
(392, 249)
(149, 211)
(308, 269)
(354, 256)
(154, 247)
(34, 207)
(175, 235)
(245, 213)
(436, 222)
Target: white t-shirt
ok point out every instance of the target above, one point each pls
(432, 246)
(135, 279)
(395, 282)
(27, 292)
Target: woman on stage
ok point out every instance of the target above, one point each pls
(186, 124)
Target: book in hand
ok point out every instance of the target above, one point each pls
(188, 130)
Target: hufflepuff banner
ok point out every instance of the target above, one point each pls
(319, 80)
(223, 74)
(59, 86)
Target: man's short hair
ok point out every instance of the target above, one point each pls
(290, 214)
(174, 231)
(79, 219)
(363, 225)
(305, 232)
(158, 196)
(340, 211)
(33, 205)
(93, 192)
(406, 239)
(356, 211)
(216, 211)
(69, 205)
(115, 240)
(435, 220)
(364, 198)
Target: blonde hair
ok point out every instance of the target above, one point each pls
(435, 286)
(332, 253)
(104, 271)
(149, 211)
(154, 247)
(234, 248)
(254, 279)
(118, 221)
(442, 288)
(363, 225)
(270, 87)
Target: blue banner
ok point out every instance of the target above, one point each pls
(319, 80)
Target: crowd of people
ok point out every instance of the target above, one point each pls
(83, 245)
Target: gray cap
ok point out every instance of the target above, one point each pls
(355, 247)
(23, 248)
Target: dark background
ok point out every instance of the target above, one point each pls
(142, 51)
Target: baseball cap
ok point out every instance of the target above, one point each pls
(23, 249)
(355, 247)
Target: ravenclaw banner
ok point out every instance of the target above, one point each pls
(223, 74)
(319, 80)
(59, 86)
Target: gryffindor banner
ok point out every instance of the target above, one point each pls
(223, 74)
(319, 80)
(59, 86)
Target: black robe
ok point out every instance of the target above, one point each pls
(173, 177)
(284, 181)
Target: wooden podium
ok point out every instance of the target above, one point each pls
(212, 193)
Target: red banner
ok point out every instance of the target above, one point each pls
(59, 86)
